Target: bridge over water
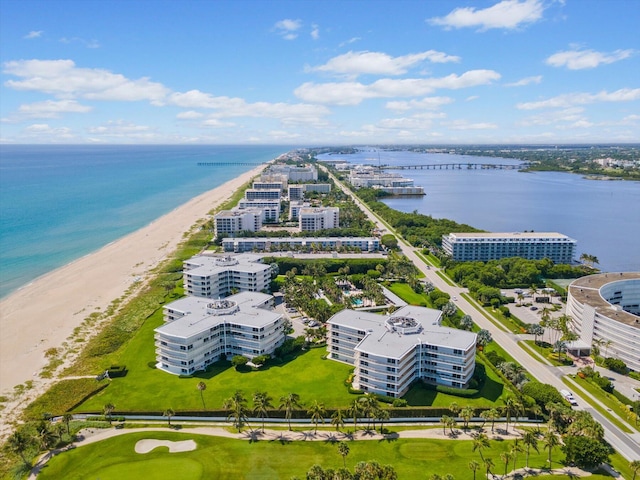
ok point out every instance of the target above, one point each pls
(457, 166)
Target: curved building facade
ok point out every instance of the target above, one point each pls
(606, 308)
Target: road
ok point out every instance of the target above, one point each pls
(628, 446)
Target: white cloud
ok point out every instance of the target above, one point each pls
(33, 34)
(123, 129)
(288, 28)
(351, 40)
(216, 123)
(581, 59)
(283, 135)
(86, 43)
(353, 93)
(52, 109)
(508, 14)
(572, 114)
(189, 115)
(427, 103)
(63, 79)
(571, 99)
(42, 132)
(355, 63)
(525, 81)
(315, 32)
(471, 98)
(465, 125)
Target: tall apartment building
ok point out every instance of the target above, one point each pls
(269, 184)
(319, 218)
(232, 221)
(200, 331)
(270, 208)
(296, 191)
(294, 208)
(294, 173)
(491, 246)
(262, 194)
(389, 353)
(218, 276)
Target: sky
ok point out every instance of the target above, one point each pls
(325, 72)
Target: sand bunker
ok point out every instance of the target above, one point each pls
(145, 446)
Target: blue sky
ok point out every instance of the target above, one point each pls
(320, 72)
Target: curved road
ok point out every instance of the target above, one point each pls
(627, 445)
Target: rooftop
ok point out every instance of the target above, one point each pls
(587, 290)
(528, 235)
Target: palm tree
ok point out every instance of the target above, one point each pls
(515, 449)
(454, 408)
(451, 423)
(261, 405)
(606, 344)
(354, 411)
(435, 476)
(202, 387)
(510, 406)
(560, 347)
(533, 290)
(237, 406)
(108, 410)
(536, 330)
(474, 466)
(480, 442)
(317, 412)
(530, 440)
(444, 420)
(382, 415)
(337, 419)
(343, 449)
(369, 407)
(491, 414)
(551, 440)
(467, 414)
(488, 464)
(45, 437)
(19, 443)
(634, 466)
(66, 418)
(536, 410)
(168, 413)
(506, 458)
(288, 403)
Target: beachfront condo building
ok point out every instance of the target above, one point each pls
(262, 194)
(269, 185)
(306, 173)
(270, 208)
(313, 219)
(220, 275)
(294, 208)
(390, 352)
(482, 247)
(605, 311)
(199, 331)
(228, 222)
(300, 244)
(298, 191)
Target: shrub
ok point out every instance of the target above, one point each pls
(495, 359)
(399, 402)
(542, 393)
(615, 365)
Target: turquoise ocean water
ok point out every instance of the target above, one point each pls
(59, 203)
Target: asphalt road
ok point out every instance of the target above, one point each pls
(628, 446)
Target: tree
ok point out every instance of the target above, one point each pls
(466, 322)
(515, 449)
(354, 411)
(480, 442)
(509, 408)
(261, 405)
(202, 387)
(369, 407)
(237, 407)
(531, 441)
(483, 338)
(536, 330)
(317, 412)
(585, 452)
(488, 464)
(492, 414)
(634, 466)
(444, 420)
(551, 440)
(19, 443)
(288, 403)
(66, 418)
(168, 413)
(506, 458)
(474, 467)
(467, 414)
(343, 450)
(45, 437)
(239, 361)
(382, 415)
(449, 309)
(560, 347)
(337, 419)
(108, 410)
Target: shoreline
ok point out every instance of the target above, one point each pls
(43, 313)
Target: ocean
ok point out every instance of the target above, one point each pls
(61, 202)
(602, 216)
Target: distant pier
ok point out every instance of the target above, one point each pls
(457, 166)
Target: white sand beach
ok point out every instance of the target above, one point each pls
(43, 314)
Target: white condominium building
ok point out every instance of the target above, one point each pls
(491, 246)
(262, 194)
(275, 244)
(294, 208)
(218, 276)
(389, 353)
(200, 331)
(313, 219)
(232, 221)
(270, 208)
(297, 191)
(294, 173)
(605, 310)
(269, 185)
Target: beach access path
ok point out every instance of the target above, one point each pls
(44, 313)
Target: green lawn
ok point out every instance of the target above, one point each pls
(148, 389)
(217, 457)
(406, 293)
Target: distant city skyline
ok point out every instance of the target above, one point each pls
(320, 72)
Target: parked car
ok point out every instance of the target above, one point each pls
(313, 323)
(534, 308)
(305, 320)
